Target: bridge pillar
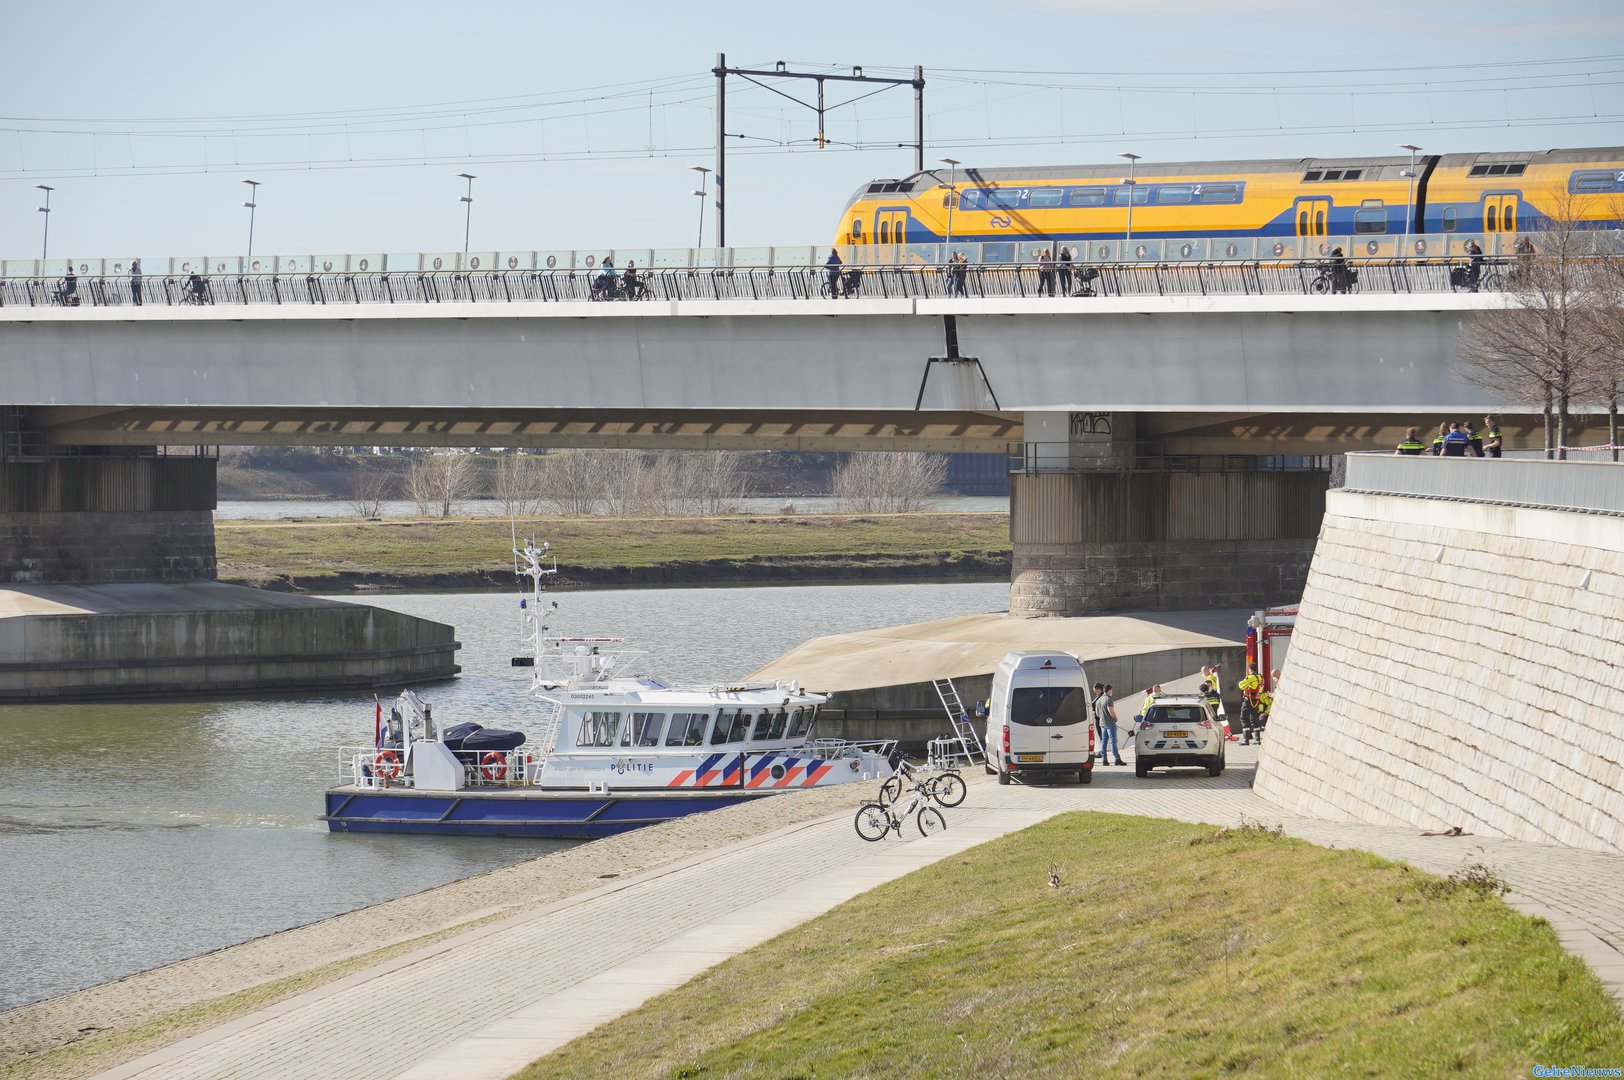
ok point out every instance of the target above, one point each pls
(103, 519)
(1100, 522)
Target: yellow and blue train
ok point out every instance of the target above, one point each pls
(1476, 194)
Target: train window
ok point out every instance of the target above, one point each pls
(1332, 174)
(885, 232)
(876, 187)
(970, 200)
(1315, 174)
(947, 200)
(1449, 219)
(1370, 220)
(1595, 181)
(856, 230)
(1087, 196)
(1218, 193)
(1515, 170)
(1046, 196)
(1174, 194)
(890, 187)
(1508, 216)
(1141, 195)
(1490, 218)
(1005, 198)
(1351, 174)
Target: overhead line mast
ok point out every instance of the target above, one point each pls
(781, 71)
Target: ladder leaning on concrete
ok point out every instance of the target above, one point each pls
(964, 743)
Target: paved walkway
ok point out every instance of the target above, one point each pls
(485, 1003)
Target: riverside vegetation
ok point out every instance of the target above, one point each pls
(468, 553)
(1086, 945)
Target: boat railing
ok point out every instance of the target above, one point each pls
(371, 767)
(835, 749)
(375, 768)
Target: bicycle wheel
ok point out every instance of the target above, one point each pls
(930, 821)
(891, 790)
(948, 789)
(1320, 284)
(872, 822)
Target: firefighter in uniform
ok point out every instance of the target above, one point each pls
(1249, 688)
(1265, 701)
(1412, 444)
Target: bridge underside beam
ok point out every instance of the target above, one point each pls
(1172, 433)
(983, 432)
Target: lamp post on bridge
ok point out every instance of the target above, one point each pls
(45, 244)
(252, 204)
(468, 218)
(952, 196)
(1409, 205)
(704, 176)
(1129, 183)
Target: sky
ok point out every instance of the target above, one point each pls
(583, 121)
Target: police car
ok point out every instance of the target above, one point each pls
(1179, 729)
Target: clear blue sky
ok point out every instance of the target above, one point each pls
(582, 120)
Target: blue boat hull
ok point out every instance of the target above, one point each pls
(551, 815)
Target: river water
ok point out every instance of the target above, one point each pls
(274, 509)
(136, 835)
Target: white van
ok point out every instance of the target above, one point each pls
(1039, 720)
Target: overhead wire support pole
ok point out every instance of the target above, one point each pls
(781, 71)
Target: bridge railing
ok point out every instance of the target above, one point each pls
(1595, 487)
(909, 281)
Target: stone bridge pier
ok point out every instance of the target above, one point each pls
(1101, 521)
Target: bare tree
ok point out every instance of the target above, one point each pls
(437, 482)
(1542, 347)
(370, 484)
(712, 481)
(573, 482)
(888, 483)
(517, 484)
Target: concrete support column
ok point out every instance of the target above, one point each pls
(1098, 525)
(92, 520)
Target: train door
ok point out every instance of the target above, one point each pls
(1313, 217)
(1500, 213)
(890, 225)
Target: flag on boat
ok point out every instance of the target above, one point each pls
(377, 722)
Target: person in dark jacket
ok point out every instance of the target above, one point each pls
(1493, 441)
(1456, 442)
(1411, 444)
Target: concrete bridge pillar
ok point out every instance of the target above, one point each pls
(1102, 522)
(103, 519)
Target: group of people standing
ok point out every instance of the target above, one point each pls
(1456, 440)
(1053, 268)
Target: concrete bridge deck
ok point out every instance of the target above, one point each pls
(571, 966)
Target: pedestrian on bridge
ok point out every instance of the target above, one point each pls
(1046, 272)
(1438, 439)
(1474, 441)
(1492, 438)
(832, 266)
(1065, 271)
(1455, 442)
(1411, 445)
(135, 281)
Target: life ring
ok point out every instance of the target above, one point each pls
(493, 766)
(386, 765)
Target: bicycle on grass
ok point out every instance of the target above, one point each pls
(946, 788)
(874, 821)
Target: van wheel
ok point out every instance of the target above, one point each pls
(1085, 776)
(1003, 777)
(1141, 769)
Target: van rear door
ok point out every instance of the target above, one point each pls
(1048, 725)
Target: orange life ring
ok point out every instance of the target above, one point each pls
(386, 765)
(493, 766)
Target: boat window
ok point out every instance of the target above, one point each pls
(598, 729)
(764, 727)
(687, 729)
(729, 728)
(780, 720)
(644, 730)
(800, 719)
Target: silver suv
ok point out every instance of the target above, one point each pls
(1178, 729)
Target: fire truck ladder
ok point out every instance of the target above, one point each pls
(964, 744)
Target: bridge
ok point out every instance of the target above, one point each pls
(1156, 424)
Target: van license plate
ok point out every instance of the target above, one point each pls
(1028, 757)
(1175, 734)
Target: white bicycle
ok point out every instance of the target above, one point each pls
(875, 820)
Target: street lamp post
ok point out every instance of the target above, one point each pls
(253, 205)
(45, 244)
(1129, 184)
(468, 218)
(704, 177)
(952, 196)
(1409, 205)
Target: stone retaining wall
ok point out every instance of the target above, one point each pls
(1457, 664)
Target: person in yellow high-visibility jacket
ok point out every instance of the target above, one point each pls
(1265, 701)
(1249, 687)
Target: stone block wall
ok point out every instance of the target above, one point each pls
(1090, 579)
(1457, 664)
